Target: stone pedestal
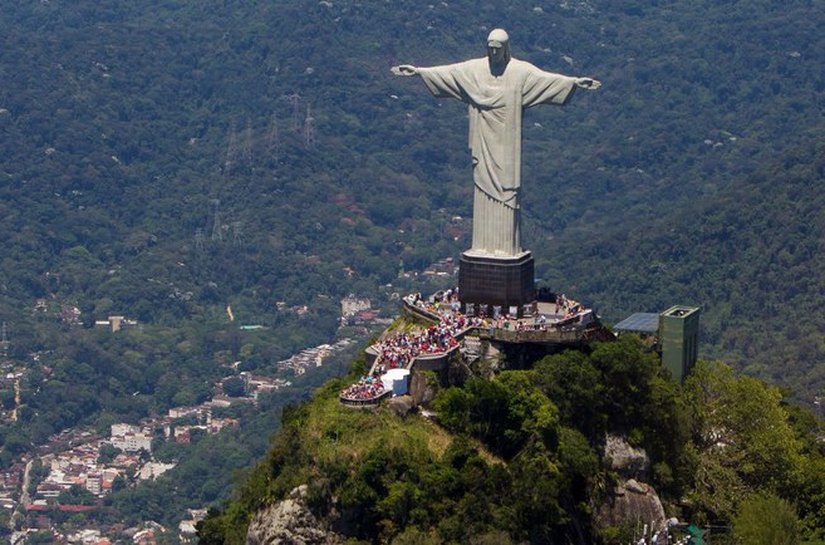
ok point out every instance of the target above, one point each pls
(486, 281)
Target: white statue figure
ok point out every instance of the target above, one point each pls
(497, 89)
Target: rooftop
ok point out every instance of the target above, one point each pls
(640, 322)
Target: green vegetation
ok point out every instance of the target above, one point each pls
(208, 469)
(768, 520)
(234, 387)
(76, 495)
(693, 176)
(517, 455)
(740, 412)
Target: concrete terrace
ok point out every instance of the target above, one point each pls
(563, 323)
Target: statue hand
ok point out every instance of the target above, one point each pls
(588, 83)
(404, 70)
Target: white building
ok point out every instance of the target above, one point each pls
(153, 470)
(352, 305)
(94, 483)
(133, 442)
(130, 438)
(123, 429)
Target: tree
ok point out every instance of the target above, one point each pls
(809, 498)
(745, 442)
(40, 538)
(506, 413)
(767, 520)
(234, 387)
(107, 453)
(119, 483)
(627, 369)
(213, 529)
(7, 399)
(413, 536)
(453, 408)
(76, 495)
(576, 387)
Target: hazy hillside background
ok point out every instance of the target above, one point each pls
(693, 176)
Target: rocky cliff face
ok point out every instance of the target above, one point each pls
(421, 390)
(627, 460)
(633, 501)
(289, 522)
(630, 499)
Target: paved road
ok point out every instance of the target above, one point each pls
(24, 497)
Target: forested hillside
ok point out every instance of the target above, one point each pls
(520, 458)
(691, 176)
(164, 160)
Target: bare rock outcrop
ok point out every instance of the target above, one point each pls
(289, 522)
(628, 461)
(421, 390)
(402, 405)
(630, 499)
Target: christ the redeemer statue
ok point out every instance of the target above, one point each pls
(497, 89)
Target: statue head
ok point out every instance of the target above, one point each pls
(498, 50)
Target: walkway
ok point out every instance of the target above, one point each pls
(565, 322)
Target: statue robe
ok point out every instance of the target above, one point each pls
(495, 106)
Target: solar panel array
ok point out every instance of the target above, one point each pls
(642, 322)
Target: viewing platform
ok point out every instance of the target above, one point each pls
(431, 346)
(364, 403)
(563, 323)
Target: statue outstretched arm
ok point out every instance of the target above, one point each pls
(588, 83)
(404, 70)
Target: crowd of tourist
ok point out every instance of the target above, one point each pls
(446, 303)
(507, 322)
(399, 350)
(367, 387)
(569, 307)
(442, 302)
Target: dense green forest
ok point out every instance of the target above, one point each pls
(518, 459)
(158, 160)
(163, 160)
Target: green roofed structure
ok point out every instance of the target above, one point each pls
(643, 323)
(679, 339)
(677, 335)
(696, 535)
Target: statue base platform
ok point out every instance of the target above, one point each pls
(490, 285)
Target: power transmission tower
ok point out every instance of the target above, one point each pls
(247, 143)
(309, 129)
(237, 233)
(273, 139)
(231, 150)
(217, 232)
(199, 240)
(4, 341)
